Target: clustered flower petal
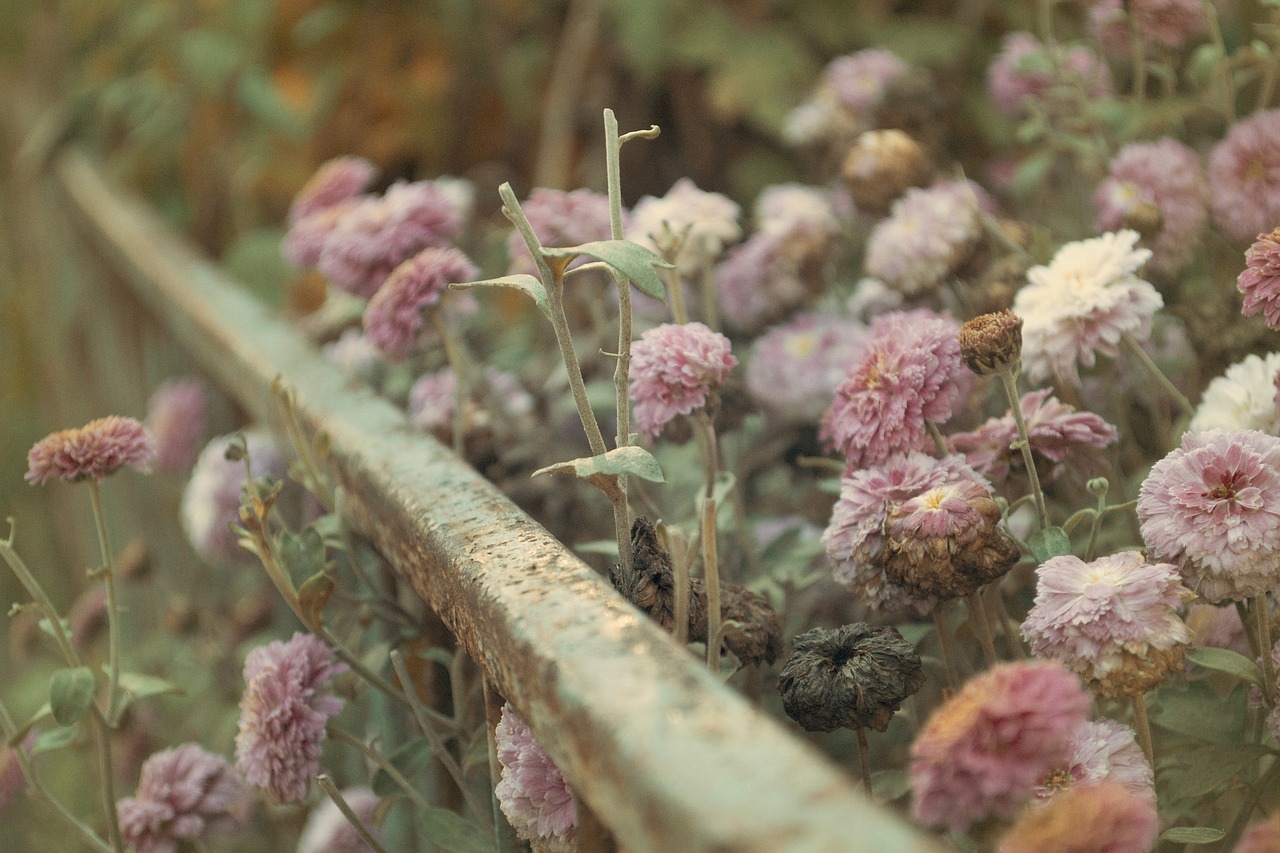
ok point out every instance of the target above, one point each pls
(1244, 177)
(1103, 818)
(1112, 621)
(1242, 398)
(394, 316)
(928, 234)
(433, 399)
(699, 223)
(1212, 506)
(1163, 23)
(906, 372)
(328, 831)
(674, 369)
(176, 415)
(533, 793)
(336, 181)
(1082, 304)
(984, 750)
(1102, 751)
(1023, 71)
(759, 283)
(94, 450)
(796, 367)
(1159, 189)
(560, 219)
(211, 500)
(861, 80)
(1260, 281)
(1218, 628)
(184, 793)
(283, 713)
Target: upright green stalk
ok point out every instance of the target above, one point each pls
(710, 557)
(113, 610)
(1009, 381)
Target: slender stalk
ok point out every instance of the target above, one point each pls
(982, 627)
(1139, 67)
(1009, 381)
(864, 760)
(680, 570)
(1222, 69)
(948, 651)
(710, 299)
(1010, 628)
(113, 608)
(675, 295)
(382, 763)
(939, 442)
(1135, 349)
(1143, 727)
(710, 559)
(41, 598)
(504, 836)
(1255, 794)
(461, 381)
(326, 784)
(1262, 613)
(106, 776)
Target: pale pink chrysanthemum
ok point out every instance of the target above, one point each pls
(375, 235)
(928, 234)
(758, 283)
(176, 415)
(1244, 177)
(394, 316)
(1212, 506)
(306, 238)
(354, 354)
(861, 80)
(1261, 837)
(533, 793)
(327, 830)
(1102, 818)
(1082, 304)
(1169, 23)
(984, 750)
(907, 371)
(183, 794)
(1022, 70)
(560, 219)
(1260, 281)
(433, 398)
(336, 181)
(797, 212)
(700, 223)
(1101, 751)
(855, 536)
(1112, 621)
(796, 367)
(871, 297)
(674, 369)
(1163, 178)
(1241, 398)
(1055, 431)
(211, 500)
(1217, 627)
(94, 450)
(283, 713)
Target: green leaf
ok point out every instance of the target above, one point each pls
(1192, 835)
(1208, 769)
(313, 595)
(1185, 709)
(20, 735)
(410, 759)
(608, 547)
(526, 284)
(70, 694)
(890, 785)
(631, 259)
(258, 94)
(455, 834)
(632, 460)
(1225, 660)
(1049, 543)
(55, 739)
(140, 686)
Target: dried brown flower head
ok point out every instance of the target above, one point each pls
(881, 166)
(991, 343)
(852, 677)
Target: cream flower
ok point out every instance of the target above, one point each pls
(1242, 398)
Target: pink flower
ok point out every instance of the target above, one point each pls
(1109, 25)
(328, 831)
(1102, 751)
(1163, 178)
(305, 239)
(1055, 431)
(560, 219)
(12, 780)
(861, 80)
(759, 283)
(1022, 70)
(337, 180)
(1244, 177)
(798, 213)
(375, 235)
(183, 794)
(1260, 281)
(176, 417)
(1218, 628)
(533, 793)
(1112, 621)
(1262, 837)
(855, 537)
(1103, 818)
(907, 371)
(984, 750)
(1212, 506)
(95, 450)
(434, 396)
(393, 318)
(796, 367)
(674, 368)
(1169, 23)
(211, 500)
(283, 713)
(928, 234)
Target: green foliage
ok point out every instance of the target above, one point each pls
(452, 833)
(71, 694)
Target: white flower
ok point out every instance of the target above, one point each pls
(711, 220)
(927, 235)
(1243, 398)
(1083, 303)
(787, 209)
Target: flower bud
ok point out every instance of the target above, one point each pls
(991, 343)
(882, 165)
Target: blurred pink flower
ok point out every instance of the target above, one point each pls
(1244, 177)
(305, 239)
(700, 223)
(1261, 837)
(1102, 818)
(394, 316)
(433, 398)
(984, 750)
(1169, 23)
(758, 283)
(533, 793)
(176, 416)
(183, 794)
(95, 450)
(1166, 176)
(908, 370)
(860, 80)
(12, 779)
(674, 369)
(796, 212)
(1109, 25)
(1022, 69)
(560, 219)
(1101, 751)
(1260, 281)
(328, 831)
(1212, 506)
(337, 180)
(928, 234)
(211, 500)
(283, 713)
(1218, 628)
(796, 367)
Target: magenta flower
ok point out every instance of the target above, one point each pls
(1102, 751)
(984, 750)
(1212, 506)
(796, 367)
(394, 316)
(1261, 837)
(674, 369)
(176, 416)
(928, 234)
(1164, 180)
(1244, 177)
(1169, 23)
(907, 371)
(283, 713)
(211, 501)
(328, 831)
(336, 181)
(1102, 818)
(95, 450)
(306, 238)
(1112, 621)
(1260, 281)
(183, 794)
(1022, 70)
(560, 219)
(533, 793)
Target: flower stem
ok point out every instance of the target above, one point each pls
(1143, 727)
(41, 598)
(331, 789)
(1221, 68)
(381, 761)
(939, 442)
(505, 836)
(1139, 67)
(710, 559)
(1010, 628)
(1262, 615)
(710, 299)
(106, 776)
(948, 651)
(675, 294)
(1009, 381)
(453, 353)
(113, 609)
(1135, 349)
(864, 760)
(1256, 792)
(982, 627)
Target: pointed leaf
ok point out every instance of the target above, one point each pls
(70, 693)
(453, 833)
(632, 460)
(526, 284)
(1225, 660)
(55, 739)
(631, 259)
(141, 686)
(1192, 835)
(1049, 543)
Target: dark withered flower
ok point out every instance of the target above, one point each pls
(991, 343)
(852, 677)
(758, 636)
